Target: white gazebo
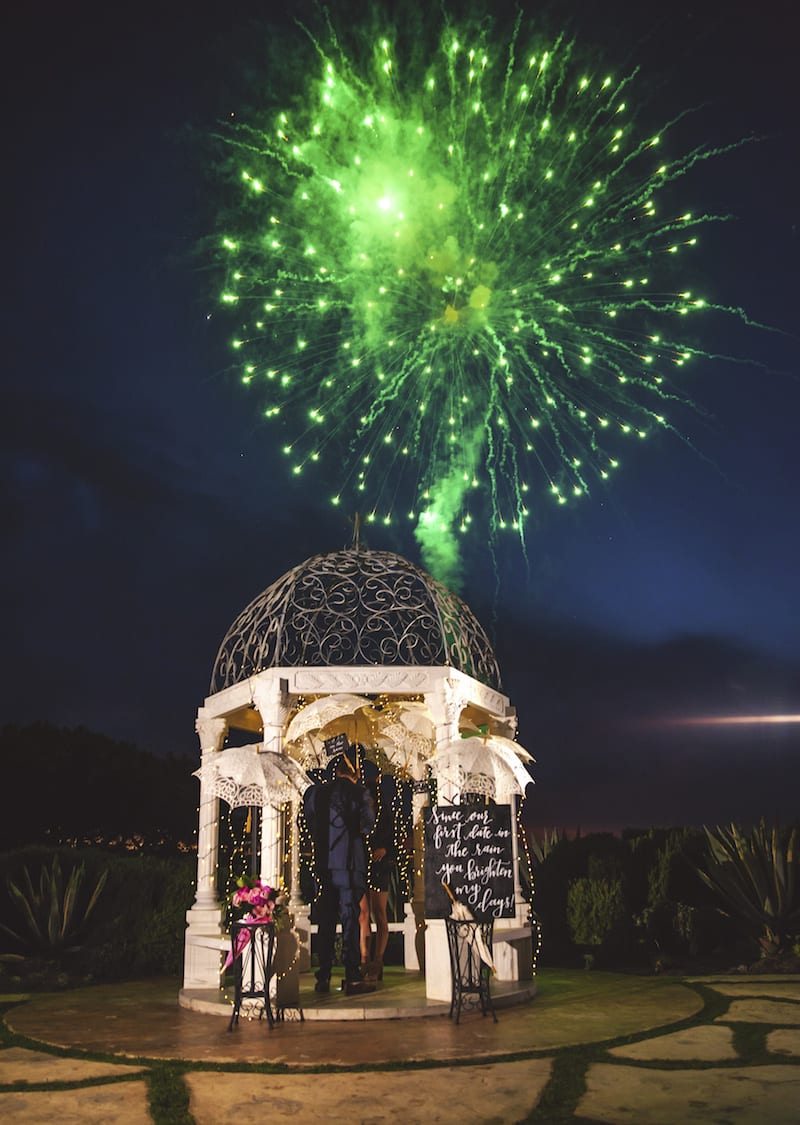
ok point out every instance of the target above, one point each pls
(317, 649)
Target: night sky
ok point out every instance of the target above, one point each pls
(144, 505)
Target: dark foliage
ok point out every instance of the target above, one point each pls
(755, 876)
(78, 787)
(567, 861)
(634, 901)
(54, 910)
(136, 928)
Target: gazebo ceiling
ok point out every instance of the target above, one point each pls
(350, 608)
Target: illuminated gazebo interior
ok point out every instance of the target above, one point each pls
(364, 643)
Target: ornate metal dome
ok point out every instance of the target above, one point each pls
(355, 607)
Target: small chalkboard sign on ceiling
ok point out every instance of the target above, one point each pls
(339, 744)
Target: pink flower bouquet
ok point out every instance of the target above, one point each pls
(261, 900)
(258, 903)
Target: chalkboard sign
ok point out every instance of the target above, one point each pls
(469, 847)
(339, 744)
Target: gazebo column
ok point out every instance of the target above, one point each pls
(513, 960)
(414, 916)
(521, 904)
(445, 704)
(272, 701)
(295, 901)
(204, 918)
(271, 865)
(299, 910)
(522, 907)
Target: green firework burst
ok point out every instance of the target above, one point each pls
(458, 279)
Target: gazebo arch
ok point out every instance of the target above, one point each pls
(367, 624)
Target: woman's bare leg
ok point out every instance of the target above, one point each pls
(378, 901)
(365, 930)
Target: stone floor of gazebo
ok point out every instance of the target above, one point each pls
(399, 995)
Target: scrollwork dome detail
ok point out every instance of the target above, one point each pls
(350, 608)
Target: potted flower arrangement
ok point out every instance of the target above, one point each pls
(254, 901)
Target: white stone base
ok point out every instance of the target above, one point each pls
(512, 951)
(438, 980)
(204, 946)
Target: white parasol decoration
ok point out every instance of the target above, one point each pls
(245, 775)
(462, 913)
(483, 765)
(507, 745)
(322, 712)
(405, 730)
(309, 750)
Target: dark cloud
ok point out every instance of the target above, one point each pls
(609, 757)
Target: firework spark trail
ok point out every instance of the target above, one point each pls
(458, 283)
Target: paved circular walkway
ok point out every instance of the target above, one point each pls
(143, 1020)
(646, 1051)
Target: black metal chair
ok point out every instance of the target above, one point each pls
(253, 946)
(470, 973)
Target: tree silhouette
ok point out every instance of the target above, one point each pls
(77, 786)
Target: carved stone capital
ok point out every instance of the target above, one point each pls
(446, 704)
(507, 727)
(211, 732)
(273, 705)
(455, 700)
(270, 697)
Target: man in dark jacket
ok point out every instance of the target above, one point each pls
(340, 814)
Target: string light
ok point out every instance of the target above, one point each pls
(235, 840)
(523, 835)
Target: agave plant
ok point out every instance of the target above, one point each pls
(540, 849)
(757, 877)
(52, 915)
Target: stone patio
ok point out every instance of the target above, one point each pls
(633, 1027)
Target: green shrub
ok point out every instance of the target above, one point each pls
(142, 929)
(566, 861)
(667, 909)
(671, 907)
(595, 910)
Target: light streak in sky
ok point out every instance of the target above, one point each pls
(729, 720)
